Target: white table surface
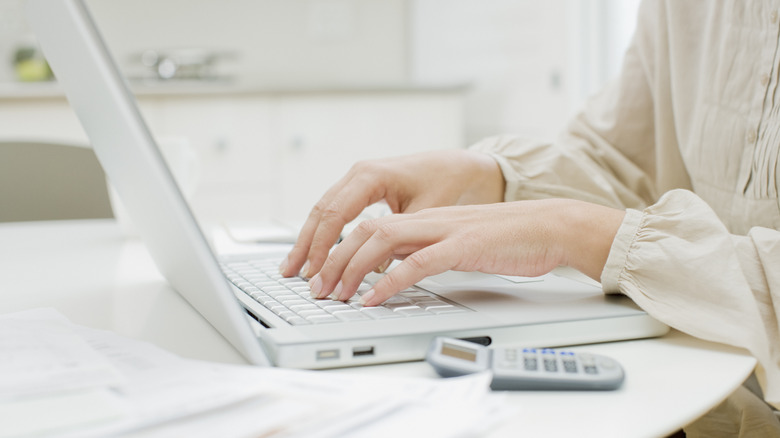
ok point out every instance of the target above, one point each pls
(98, 278)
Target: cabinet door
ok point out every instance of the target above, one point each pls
(317, 138)
(230, 135)
(231, 139)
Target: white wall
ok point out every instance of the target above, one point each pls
(13, 32)
(297, 42)
(528, 64)
(514, 53)
(287, 42)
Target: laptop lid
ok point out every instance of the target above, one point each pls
(99, 95)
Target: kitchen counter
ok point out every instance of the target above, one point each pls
(226, 87)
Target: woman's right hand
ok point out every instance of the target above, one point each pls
(407, 184)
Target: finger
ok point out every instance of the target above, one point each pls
(339, 205)
(383, 267)
(333, 268)
(296, 258)
(298, 255)
(430, 260)
(396, 236)
(345, 207)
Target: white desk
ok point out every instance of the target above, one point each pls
(94, 276)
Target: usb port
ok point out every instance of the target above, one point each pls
(327, 354)
(362, 351)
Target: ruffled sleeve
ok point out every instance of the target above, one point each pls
(678, 261)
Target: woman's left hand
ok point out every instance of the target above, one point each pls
(527, 238)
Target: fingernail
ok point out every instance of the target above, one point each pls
(305, 269)
(315, 284)
(337, 292)
(283, 265)
(366, 297)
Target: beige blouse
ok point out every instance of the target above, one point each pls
(687, 140)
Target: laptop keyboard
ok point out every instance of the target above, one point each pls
(290, 298)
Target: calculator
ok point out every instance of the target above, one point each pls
(526, 368)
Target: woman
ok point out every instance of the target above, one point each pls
(664, 188)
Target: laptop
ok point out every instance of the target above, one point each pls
(263, 320)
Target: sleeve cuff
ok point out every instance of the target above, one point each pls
(492, 146)
(616, 261)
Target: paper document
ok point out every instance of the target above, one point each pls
(58, 379)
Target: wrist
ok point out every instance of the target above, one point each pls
(588, 233)
(486, 181)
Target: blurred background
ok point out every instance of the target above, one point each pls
(248, 91)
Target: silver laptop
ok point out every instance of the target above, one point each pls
(278, 323)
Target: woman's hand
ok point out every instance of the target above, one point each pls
(527, 238)
(408, 184)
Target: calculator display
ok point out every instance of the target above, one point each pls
(459, 352)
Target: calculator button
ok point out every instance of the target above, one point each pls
(591, 369)
(607, 364)
(550, 365)
(530, 363)
(569, 365)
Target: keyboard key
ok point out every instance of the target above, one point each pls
(327, 303)
(291, 297)
(292, 281)
(297, 320)
(428, 303)
(350, 315)
(285, 314)
(265, 283)
(414, 293)
(301, 306)
(291, 300)
(411, 311)
(266, 301)
(444, 309)
(337, 306)
(278, 308)
(322, 319)
(401, 305)
(280, 293)
(379, 312)
(364, 287)
(396, 299)
(258, 294)
(317, 312)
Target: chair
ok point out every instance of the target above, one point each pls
(49, 181)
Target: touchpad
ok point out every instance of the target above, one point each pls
(455, 278)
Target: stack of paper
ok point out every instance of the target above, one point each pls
(60, 379)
